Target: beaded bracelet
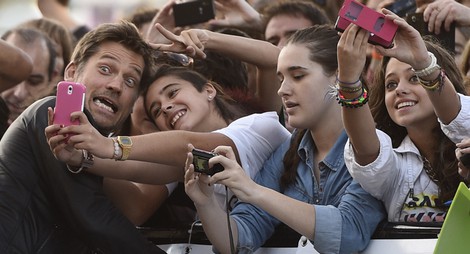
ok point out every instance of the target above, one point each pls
(357, 102)
(435, 84)
(117, 154)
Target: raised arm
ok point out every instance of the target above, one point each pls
(165, 18)
(445, 99)
(358, 121)
(441, 14)
(55, 10)
(239, 14)
(15, 65)
(257, 52)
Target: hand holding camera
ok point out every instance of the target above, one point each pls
(201, 162)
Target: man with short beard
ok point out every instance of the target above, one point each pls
(46, 208)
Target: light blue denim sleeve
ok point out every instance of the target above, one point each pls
(349, 227)
(254, 225)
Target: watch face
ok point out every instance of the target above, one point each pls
(125, 140)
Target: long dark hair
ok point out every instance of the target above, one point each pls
(226, 107)
(321, 41)
(448, 178)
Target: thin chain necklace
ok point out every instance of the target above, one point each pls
(432, 173)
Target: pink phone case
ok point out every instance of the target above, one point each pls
(382, 30)
(70, 98)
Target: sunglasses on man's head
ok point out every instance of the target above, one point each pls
(172, 58)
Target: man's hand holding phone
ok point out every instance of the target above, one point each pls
(70, 98)
(58, 143)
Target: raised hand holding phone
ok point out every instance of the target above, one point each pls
(193, 12)
(382, 30)
(70, 98)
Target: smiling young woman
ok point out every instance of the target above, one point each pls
(419, 108)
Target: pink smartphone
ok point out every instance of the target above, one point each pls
(382, 30)
(70, 98)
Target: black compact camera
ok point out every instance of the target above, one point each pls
(193, 12)
(201, 162)
(465, 159)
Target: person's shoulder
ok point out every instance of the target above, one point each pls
(45, 102)
(270, 115)
(40, 105)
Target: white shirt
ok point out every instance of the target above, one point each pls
(255, 136)
(396, 171)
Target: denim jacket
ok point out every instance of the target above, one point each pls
(346, 215)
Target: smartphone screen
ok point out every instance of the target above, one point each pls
(193, 12)
(70, 98)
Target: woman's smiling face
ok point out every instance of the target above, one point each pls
(175, 104)
(406, 100)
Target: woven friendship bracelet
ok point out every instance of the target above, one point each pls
(349, 89)
(436, 84)
(357, 102)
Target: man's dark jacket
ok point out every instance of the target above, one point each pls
(44, 208)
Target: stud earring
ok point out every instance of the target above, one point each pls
(210, 98)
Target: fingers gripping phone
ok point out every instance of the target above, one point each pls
(382, 30)
(193, 12)
(201, 162)
(446, 38)
(70, 98)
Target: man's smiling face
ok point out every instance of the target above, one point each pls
(112, 77)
